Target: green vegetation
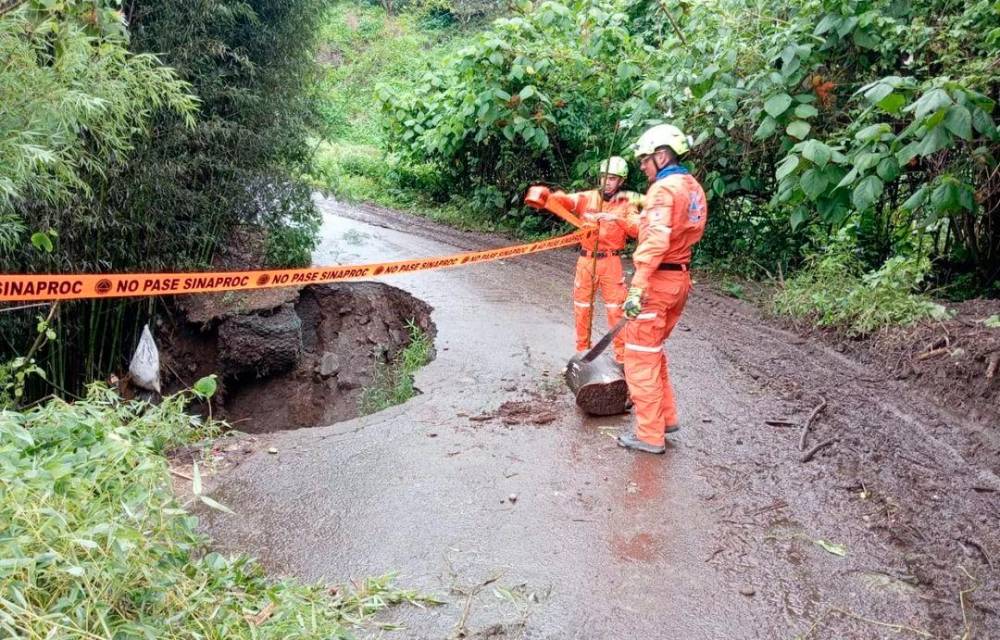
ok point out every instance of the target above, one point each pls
(96, 546)
(362, 47)
(111, 161)
(392, 380)
(808, 118)
(833, 290)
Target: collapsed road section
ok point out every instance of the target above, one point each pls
(291, 358)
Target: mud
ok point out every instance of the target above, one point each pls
(902, 482)
(889, 531)
(296, 365)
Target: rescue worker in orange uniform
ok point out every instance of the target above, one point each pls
(615, 214)
(671, 223)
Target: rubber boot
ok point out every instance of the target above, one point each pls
(630, 441)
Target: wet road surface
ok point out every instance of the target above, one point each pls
(716, 539)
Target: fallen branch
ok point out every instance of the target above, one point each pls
(932, 353)
(807, 456)
(780, 504)
(898, 628)
(808, 423)
(991, 369)
(781, 423)
(182, 475)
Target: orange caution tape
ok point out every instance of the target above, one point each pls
(40, 287)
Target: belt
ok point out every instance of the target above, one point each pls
(601, 254)
(673, 266)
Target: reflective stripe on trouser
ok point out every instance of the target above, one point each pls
(611, 284)
(646, 363)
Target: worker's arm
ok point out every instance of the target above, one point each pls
(630, 220)
(558, 202)
(654, 245)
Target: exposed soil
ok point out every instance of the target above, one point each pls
(299, 359)
(917, 479)
(956, 360)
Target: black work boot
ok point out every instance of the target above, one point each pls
(630, 441)
(673, 429)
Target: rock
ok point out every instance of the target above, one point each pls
(260, 346)
(512, 497)
(352, 378)
(747, 590)
(272, 451)
(329, 365)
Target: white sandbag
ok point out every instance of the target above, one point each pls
(145, 366)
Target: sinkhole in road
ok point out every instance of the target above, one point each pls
(291, 359)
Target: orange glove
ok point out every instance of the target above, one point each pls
(537, 196)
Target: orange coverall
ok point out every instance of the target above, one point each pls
(671, 223)
(609, 243)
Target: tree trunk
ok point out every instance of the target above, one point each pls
(599, 386)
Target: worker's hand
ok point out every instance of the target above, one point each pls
(537, 196)
(633, 303)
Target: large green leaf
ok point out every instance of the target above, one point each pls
(766, 128)
(946, 196)
(935, 140)
(958, 120)
(814, 183)
(872, 132)
(806, 111)
(866, 193)
(786, 167)
(892, 103)
(888, 169)
(930, 102)
(878, 92)
(798, 217)
(778, 104)
(829, 21)
(816, 152)
(798, 129)
(916, 199)
(984, 123)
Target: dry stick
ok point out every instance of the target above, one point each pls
(991, 369)
(932, 353)
(677, 29)
(822, 445)
(181, 475)
(808, 423)
(780, 423)
(889, 625)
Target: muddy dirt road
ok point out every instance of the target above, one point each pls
(490, 491)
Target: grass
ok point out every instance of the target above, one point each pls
(833, 291)
(93, 543)
(392, 381)
(365, 49)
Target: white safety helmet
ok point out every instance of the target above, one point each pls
(662, 135)
(614, 166)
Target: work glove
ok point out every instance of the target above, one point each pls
(537, 196)
(633, 303)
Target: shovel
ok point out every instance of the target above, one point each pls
(598, 382)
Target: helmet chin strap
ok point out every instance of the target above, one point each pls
(607, 196)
